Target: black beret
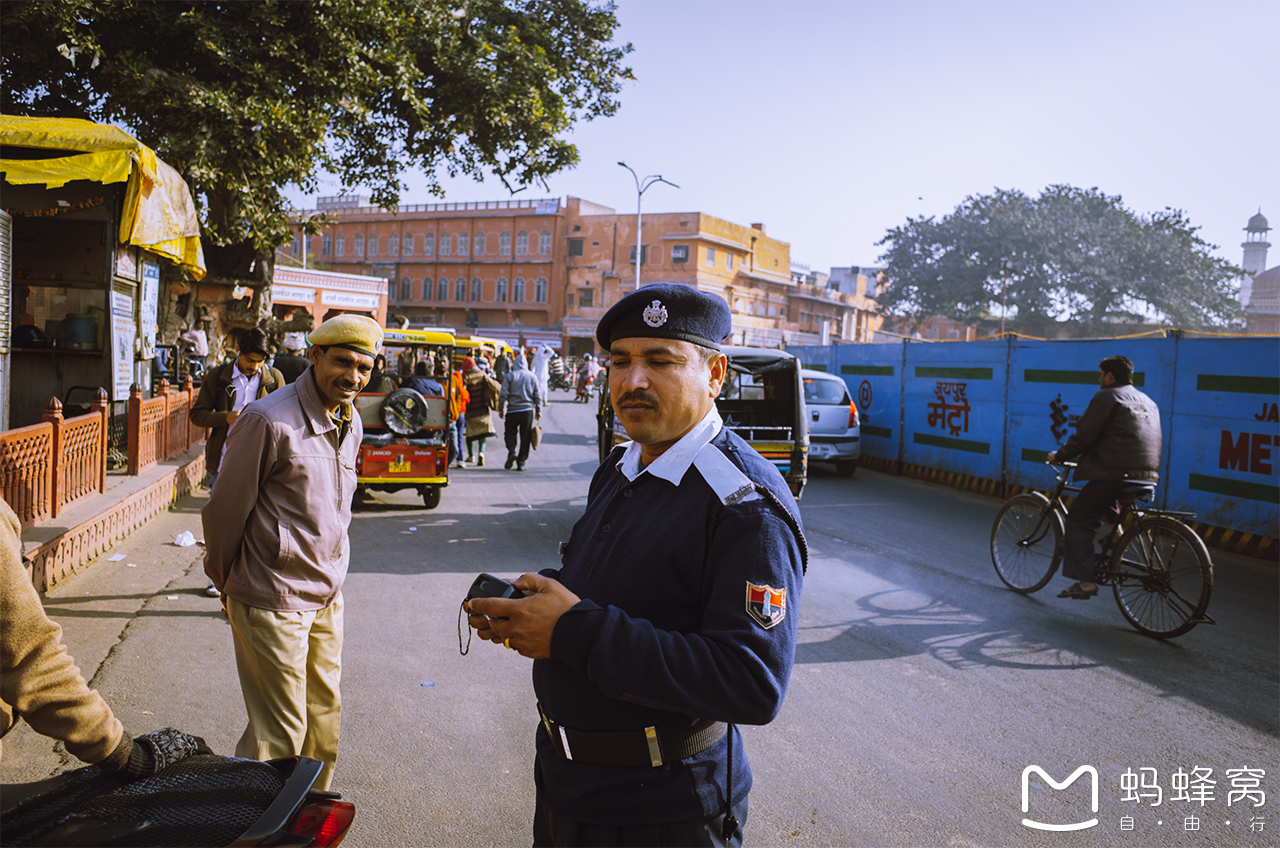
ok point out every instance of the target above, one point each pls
(667, 311)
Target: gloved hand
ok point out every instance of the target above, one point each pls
(160, 749)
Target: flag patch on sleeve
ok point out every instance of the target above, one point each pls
(766, 605)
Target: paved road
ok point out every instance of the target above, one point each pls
(922, 687)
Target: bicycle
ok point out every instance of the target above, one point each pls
(1157, 567)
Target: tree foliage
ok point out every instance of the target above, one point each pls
(1071, 256)
(244, 98)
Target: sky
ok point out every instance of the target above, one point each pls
(832, 122)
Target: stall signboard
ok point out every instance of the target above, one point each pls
(148, 304)
(123, 330)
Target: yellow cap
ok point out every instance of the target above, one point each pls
(354, 332)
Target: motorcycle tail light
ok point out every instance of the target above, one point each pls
(324, 822)
(853, 415)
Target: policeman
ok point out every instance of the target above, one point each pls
(673, 616)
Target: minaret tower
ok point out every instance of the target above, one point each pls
(1255, 254)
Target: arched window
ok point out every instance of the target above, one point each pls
(522, 243)
(406, 289)
(373, 245)
(502, 290)
(427, 284)
(429, 244)
(342, 245)
(359, 244)
(446, 244)
(393, 245)
(391, 289)
(326, 244)
(407, 246)
(463, 244)
(540, 290)
(442, 288)
(476, 288)
(544, 243)
(517, 290)
(504, 243)
(460, 289)
(479, 245)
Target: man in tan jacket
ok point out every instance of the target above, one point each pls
(276, 544)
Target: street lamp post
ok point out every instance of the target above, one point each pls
(641, 187)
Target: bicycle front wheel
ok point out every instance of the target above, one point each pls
(1161, 575)
(1026, 542)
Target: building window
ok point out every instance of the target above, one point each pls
(711, 257)
(575, 247)
(479, 245)
(373, 245)
(540, 290)
(446, 244)
(463, 244)
(427, 284)
(359, 245)
(342, 244)
(728, 261)
(568, 300)
(737, 304)
(544, 243)
(644, 253)
(442, 288)
(407, 247)
(476, 288)
(517, 290)
(460, 289)
(680, 253)
(391, 289)
(406, 289)
(429, 244)
(586, 297)
(504, 244)
(502, 290)
(522, 243)
(326, 245)
(296, 250)
(393, 245)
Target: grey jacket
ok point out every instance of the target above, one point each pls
(521, 391)
(1117, 438)
(275, 526)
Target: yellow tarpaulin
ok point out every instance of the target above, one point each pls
(159, 213)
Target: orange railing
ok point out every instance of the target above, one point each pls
(57, 462)
(47, 466)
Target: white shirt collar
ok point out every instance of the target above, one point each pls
(675, 460)
(246, 386)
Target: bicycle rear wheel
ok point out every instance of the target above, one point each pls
(1026, 542)
(1162, 576)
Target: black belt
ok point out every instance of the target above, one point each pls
(648, 747)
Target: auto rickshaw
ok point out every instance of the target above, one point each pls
(762, 400)
(406, 443)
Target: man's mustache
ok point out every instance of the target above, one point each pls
(637, 395)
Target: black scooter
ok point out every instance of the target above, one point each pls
(203, 800)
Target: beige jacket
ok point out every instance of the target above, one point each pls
(275, 526)
(39, 682)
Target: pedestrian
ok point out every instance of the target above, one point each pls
(482, 398)
(1118, 440)
(458, 400)
(541, 367)
(380, 381)
(276, 545)
(502, 366)
(520, 405)
(674, 610)
(224, 394)
(290, 362)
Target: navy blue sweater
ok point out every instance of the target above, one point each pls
(663, 635)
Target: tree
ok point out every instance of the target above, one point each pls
(1071, 256)
(246, 98)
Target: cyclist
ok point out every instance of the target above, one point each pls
(1118, 441)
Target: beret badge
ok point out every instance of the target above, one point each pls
(655, 314)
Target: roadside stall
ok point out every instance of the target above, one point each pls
(94, 215)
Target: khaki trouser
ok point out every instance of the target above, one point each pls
(290, 665)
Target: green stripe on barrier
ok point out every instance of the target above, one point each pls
(1237, 384)
(882, 432)
(1235, 488)
(1072, 378)
(1033, 455)
(955, 373)
(815, 366)
(950, 444)
(868, 370)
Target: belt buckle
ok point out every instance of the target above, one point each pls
(655, 752)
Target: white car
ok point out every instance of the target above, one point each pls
(833, 421)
